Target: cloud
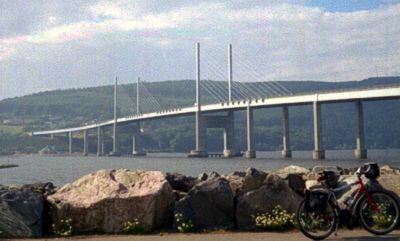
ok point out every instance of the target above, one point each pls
(279, 39)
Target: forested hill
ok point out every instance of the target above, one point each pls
(72, 107)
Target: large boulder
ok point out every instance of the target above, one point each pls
(292, 169)
(180, 182)
(21, 210)
(253, 179)
(274, 191)
(236, 180)
(209, 204)
(105, 200)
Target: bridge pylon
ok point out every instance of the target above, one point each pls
(200, 131)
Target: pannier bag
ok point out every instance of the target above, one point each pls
(316, 201)
(371, 170)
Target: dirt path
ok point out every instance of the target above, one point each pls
(355, 235)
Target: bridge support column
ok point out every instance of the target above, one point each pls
(250, 153)
(70, 137)
(319, 152)
(136, 135)
(99, 141)
(229, 136)
(286, 151)
(360, 151)
(85, 143)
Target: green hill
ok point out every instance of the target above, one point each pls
(73, 107)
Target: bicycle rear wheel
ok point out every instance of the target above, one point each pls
(382, 219)
(316, 225)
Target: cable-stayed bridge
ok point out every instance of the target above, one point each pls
(225, 97)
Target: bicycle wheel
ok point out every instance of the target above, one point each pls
(384, 218)
(316, 225)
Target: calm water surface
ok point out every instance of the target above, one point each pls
(64, 169)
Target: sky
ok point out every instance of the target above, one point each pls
(47, 45)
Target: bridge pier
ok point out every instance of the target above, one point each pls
(85, 143)
(360, 151)
(319, 152)
(286, 151)
(136, 135)
(99, 141)
(70, 137)
(229, 136)
(250, 153)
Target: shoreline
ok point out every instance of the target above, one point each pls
(4, 166)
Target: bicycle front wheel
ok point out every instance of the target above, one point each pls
(379, 214)
(316, 225)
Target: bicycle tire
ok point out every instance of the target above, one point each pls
(306, 232)
(362, 218)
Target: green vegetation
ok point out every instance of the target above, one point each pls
(12, 129)
(183, 225)
(74, 107)
(63, 228)
(133, 227)
(278, 220)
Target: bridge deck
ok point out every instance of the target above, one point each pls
(334, 96)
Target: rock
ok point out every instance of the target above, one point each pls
(319, 169)
(213, 175)
(21, 210)
(386, 169)
(202, 177)
(390, 182)
(253, 179)
(311, 183)
(236, 180)
(209, 205)
(274, 191)
(283, 172)
(105, 200)
(180, 182)
(296, 183)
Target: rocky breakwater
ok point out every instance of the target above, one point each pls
(22, 210)
(106, 200)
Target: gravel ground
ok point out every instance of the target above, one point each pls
(347, 235)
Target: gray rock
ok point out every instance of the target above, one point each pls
(202, 177)
(274, 191)
(209, 205)
(253, 179)
(296, 183)
(292, 169)
(180, 182)
(236, 180)
(213, 175)
(21, 210)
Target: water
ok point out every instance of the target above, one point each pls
(65, 169)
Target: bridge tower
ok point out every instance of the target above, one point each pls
(136, 128)
(115, 151)
(200, 131)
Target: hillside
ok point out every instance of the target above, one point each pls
(65, 108)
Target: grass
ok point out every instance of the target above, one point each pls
(12, 129)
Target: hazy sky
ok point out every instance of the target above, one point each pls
(57, 44)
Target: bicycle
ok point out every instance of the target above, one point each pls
(318, 213)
